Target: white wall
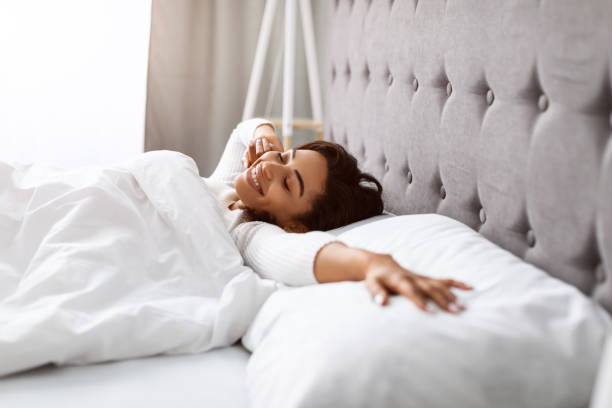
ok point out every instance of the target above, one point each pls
(73, 80)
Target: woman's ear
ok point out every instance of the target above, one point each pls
(237, 205)
(294, 226)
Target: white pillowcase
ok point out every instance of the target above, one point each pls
(346, 228)
(525, 340)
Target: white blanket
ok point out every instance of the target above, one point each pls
(117, 262)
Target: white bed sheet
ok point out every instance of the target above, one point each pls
(213, 379)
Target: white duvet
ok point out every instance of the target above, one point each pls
(117, 262)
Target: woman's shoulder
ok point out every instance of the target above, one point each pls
(218, 188)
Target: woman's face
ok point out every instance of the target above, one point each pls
(283, 184)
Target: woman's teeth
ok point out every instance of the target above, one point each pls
(253, 171)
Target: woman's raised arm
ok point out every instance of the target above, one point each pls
(230, 164)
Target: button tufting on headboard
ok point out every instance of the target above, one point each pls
(490, 97)
(600, 273)
(504, 104)
(530, 237)
(482, 215)
(347, 72)
(543, 102)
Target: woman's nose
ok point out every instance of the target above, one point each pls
(268, 169)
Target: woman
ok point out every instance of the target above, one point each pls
(300, 192)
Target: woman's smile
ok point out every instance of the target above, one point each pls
(255, 178)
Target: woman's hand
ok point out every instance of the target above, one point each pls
(336, 262)
(384, 276)
(264, 140)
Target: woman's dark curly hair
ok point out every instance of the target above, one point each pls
(346, 199)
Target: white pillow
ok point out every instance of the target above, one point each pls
(346, 228)
(525, 340)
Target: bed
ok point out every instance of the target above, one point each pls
(491, 115)
(215, 378)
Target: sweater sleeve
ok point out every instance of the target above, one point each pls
(230, 164)
(279, 255)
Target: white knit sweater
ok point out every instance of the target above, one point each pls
(268, 249)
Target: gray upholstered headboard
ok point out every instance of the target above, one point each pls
(497, 113)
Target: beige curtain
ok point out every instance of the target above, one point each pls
(200, 59)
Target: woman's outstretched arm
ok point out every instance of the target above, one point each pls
(317, 257)
(337, 262)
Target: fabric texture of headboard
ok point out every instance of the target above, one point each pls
(495, 113)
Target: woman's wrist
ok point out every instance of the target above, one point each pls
(264, 130)
(337, 262)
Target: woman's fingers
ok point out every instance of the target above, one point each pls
(266, 145)
(259, 147)
(439, 293)
(406, 288)
(456, 284)
(385, 276)
(377, 290)
(276, 145)
(265, 141)
(444, 290)
(439, 299)
(400, 284)
(251, 153)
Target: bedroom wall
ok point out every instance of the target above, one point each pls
(72, 80)
(200, 64)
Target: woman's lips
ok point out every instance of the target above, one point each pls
(259, 175)
(255, 171)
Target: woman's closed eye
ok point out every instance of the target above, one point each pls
(285, 184)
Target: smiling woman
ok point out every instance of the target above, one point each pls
(300, 193)
(282, 186)
(273, 187)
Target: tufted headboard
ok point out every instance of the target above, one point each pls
(495, 113)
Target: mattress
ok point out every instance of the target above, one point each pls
(213, 379)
